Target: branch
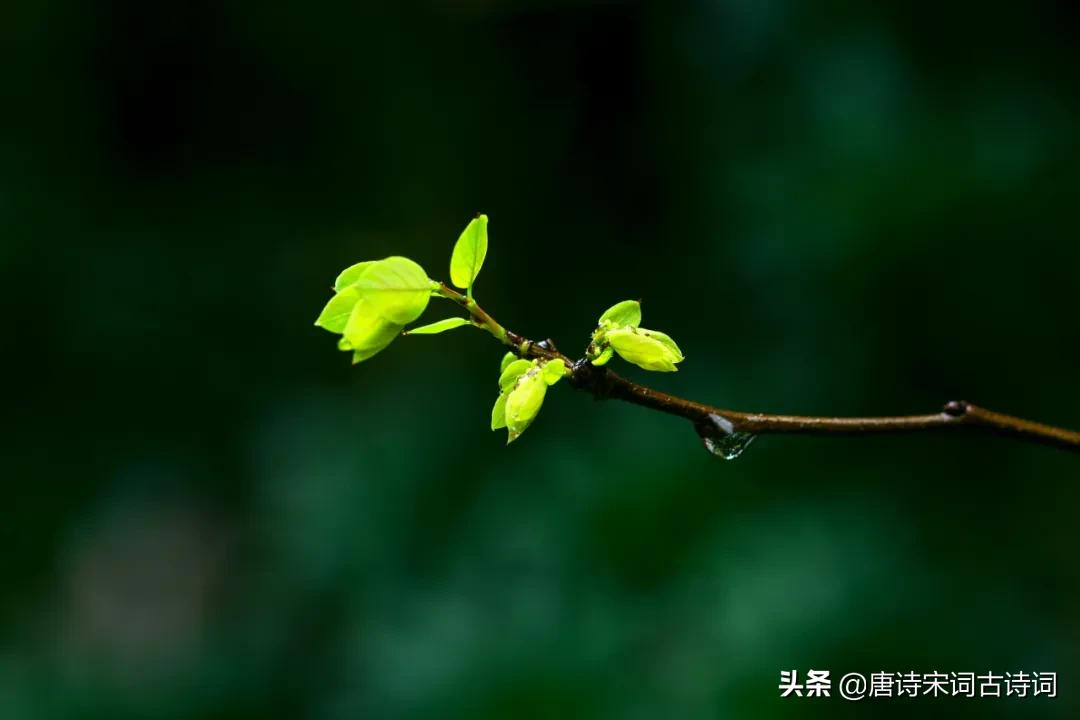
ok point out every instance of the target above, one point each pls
(711, 421)
(604, 383)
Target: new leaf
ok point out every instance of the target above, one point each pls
(396, 288)
(513, 371)
(336, 314)
(351, 274)
(437, 327)
(368, 332)
(469, 253)
(624, 314)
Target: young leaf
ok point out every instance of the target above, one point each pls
(507, 359)
(367, 332)
(351, 274)
(554, 370)
(665, 340)
(498, 413)
(469, 253)
(396, 287)
(624, 314)
(512, 372)
(437, 327)
(523, 404)
(336, 313)
(360, 356)
(644, 350)
(603, 357)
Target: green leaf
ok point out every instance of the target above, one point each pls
(554, 370)
(644, 350)
(336, 313)
(437, 327)
(396, 288)
(512, 372)
(603, 357)
(469, 253)
(367, 332)
(498, 413)
(507, 359)
(351, 274)
(523, 404)
(624, 314)
(665, 340)
(360, 356)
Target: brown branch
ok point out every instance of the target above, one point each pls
(604, 383)
(709, 420)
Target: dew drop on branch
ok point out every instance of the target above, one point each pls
(721, 438)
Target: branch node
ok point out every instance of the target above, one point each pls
(955, 408)
(586, 376)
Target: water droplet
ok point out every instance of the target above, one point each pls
(721, 438)
(730, 446)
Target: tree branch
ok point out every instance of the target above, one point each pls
(711, 421)
(604, 383)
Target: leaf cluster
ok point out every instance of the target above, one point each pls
(375, 301)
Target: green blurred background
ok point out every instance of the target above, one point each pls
(836, 208)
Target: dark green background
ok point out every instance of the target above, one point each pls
(836, 208)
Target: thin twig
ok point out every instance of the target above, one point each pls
(955, 414)
(602, 383)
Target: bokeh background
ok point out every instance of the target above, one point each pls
(835, 207)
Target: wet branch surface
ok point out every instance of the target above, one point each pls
(709, 420)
